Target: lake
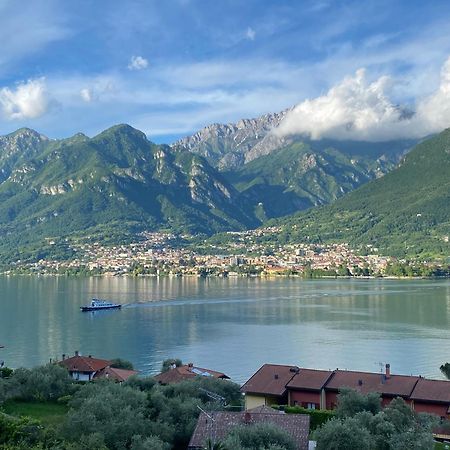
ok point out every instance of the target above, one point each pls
(232, 325)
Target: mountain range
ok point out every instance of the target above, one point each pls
(406, 212)
(225, 177)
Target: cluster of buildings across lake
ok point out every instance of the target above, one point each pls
(167, 254)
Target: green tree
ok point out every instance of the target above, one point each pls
(168, 363)
(445, 369)
(259, 436)
(115, 412)
(351, 402)
(343, 434)
(119, 363)
(41, 383)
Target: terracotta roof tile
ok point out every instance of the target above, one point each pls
(432, 390)
(115, 374)
(310, 379)
(84, 364)
(186, 372)
(365, 382)
(297, 425)
(270, 379)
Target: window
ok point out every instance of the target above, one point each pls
(311, 405)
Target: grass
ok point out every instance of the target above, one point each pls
(48, 413)
(441, 446)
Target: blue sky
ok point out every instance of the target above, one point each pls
(171, 67)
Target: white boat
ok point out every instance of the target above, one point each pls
(99, 304)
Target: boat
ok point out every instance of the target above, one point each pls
(97, 305)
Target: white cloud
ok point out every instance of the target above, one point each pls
(358, 110)
(28, 100)
(137, 63)
(250, 34)
(86, 95)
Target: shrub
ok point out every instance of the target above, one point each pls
(119, 363)
(166, 365)
(257, 437)
(42, 383)
(317, 416)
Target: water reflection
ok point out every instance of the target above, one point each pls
(232, 325)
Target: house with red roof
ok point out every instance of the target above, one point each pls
(187, 372)
(216, 425)
(268, 386)
(87, 368)
(318, 389)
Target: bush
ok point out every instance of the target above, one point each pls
(317, 416)
(343, 434)
(396, 427)
(119, 363)
(42, 383)
(5, 372)
(259, 436)
(115, 412)
(350, 402)
(166, 365)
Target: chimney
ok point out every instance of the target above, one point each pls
(77, 353)
(388, 371)
(191, 365)
(64, 356)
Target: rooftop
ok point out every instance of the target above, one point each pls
(219, 424)
(434, 390)
(310, 379)
(88, 364)
(188, 371)
(270, 379)
(365, 382)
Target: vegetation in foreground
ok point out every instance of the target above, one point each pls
(42, 408)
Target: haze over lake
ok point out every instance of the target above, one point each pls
(233, 325)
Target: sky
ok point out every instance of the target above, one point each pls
(369, 70)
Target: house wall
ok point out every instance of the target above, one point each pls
(80, 376)
(253, 401)
(302, 398)
(432, 408)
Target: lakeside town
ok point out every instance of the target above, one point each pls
(162, 254)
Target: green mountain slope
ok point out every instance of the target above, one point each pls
(405, 212)
(299, 176)
(111, 185)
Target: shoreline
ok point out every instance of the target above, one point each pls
(259, 276)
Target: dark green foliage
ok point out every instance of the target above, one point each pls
(43, 383)
(351, 402)
(121, 364)
(343, 434)
(166, 365)
(361, 424)
(115, 412)
(317, 416)
(405, 212)
(259, 436)
(445, 369)
(5, 372)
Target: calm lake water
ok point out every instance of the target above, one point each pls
(233, 325)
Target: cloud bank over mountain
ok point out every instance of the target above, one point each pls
(356, 109)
